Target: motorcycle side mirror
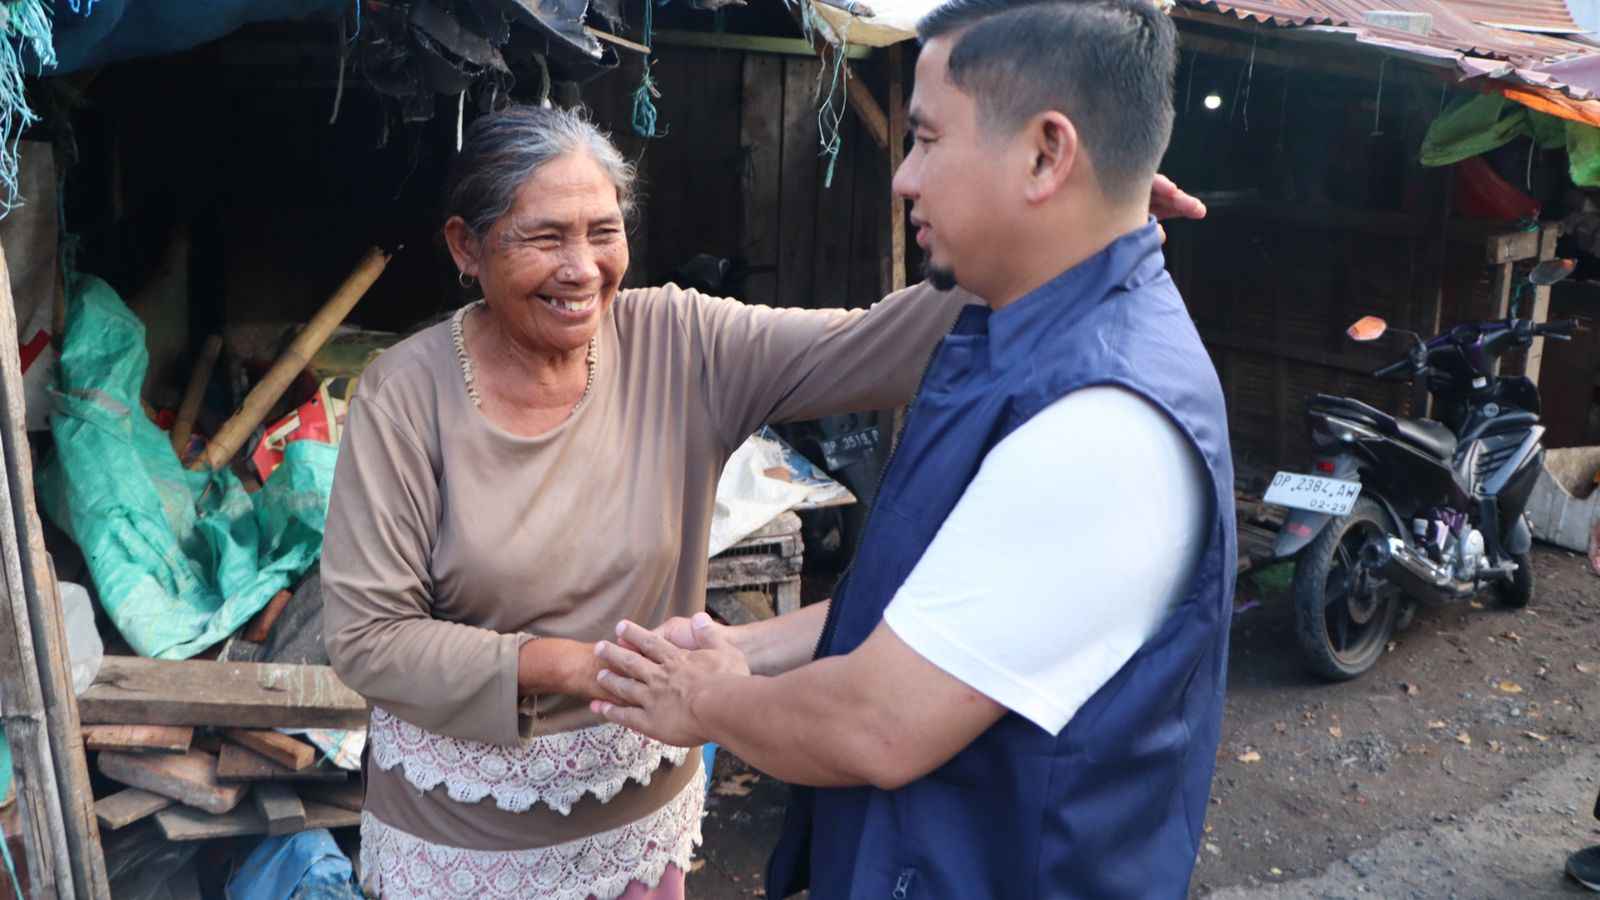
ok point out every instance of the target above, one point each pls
(1551, 271)
(1367, 328)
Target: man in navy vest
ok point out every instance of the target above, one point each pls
(1018, 686)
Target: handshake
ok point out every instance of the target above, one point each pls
(659, 676)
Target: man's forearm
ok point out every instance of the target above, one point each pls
(796, 727)
(785, 642)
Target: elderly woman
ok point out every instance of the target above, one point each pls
(516, 480)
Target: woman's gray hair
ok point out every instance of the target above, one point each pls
(502, 150)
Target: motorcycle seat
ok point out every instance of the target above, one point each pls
(1428, 435)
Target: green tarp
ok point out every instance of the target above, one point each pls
(1473, 125)
(180, 559)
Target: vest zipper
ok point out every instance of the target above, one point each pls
(902, 885)
(830, 621)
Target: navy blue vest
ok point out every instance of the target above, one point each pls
(1114, 805)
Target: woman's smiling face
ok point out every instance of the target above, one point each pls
(550, 267)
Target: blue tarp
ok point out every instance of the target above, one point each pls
(91, 33)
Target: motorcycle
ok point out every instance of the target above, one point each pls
(1404, 511)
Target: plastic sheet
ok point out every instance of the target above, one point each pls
(180, 559)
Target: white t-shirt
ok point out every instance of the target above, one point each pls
(1079, 535)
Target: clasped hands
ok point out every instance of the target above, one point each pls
(659, 675)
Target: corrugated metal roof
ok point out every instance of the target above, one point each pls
(1547, 16)
(1451, 30)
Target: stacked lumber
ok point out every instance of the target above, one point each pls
(238, 782)
(192, 744)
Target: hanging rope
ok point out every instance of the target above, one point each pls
(644, 97)
(830, 116)
(26, 23)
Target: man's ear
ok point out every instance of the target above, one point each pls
(1053, 143)
(464, 245)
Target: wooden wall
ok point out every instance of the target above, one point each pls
(738, 175)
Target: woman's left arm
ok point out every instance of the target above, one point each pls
(764, 365)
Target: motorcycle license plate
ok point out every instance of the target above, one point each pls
(854, 447)
(1333, 496)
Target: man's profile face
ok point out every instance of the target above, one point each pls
(952, 178)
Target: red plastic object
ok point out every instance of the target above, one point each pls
(1482, 194)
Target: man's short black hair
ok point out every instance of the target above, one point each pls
(1108, 65)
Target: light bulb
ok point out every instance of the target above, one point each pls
(1213, 101)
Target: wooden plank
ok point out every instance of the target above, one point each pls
(868, 228)
(742, 571)
(139, 738)
(183, 824)
(749, 43)
(897, 204)
(236, 763)
(798, 184)
(190, 778)
(729, 610)
(282, 749)
(1548, 235)
(128, 806)
(280, 806)
(1512, 247)
(761, 144)
(348, 794)
(135, 690)
(259, 628)
(32, 670)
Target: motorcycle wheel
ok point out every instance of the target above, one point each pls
(1519, 592)
(1343, 615)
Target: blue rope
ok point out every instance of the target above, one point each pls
(830, 117)
(27, 23)
(644, 107)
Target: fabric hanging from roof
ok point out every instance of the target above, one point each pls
(1478, 124)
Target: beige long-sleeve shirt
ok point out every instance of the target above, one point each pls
(451, 542)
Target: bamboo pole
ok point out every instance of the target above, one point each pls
(233, 433)
(40, 710)
(192, 395)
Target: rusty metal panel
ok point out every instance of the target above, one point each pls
(1455, 24)
(1546, 16)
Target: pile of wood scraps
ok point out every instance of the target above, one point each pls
(193, 744)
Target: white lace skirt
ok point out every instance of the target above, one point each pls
(555, 770)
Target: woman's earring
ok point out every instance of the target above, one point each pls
(465, 279)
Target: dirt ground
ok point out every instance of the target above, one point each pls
(1465, 764)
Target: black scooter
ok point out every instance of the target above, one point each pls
(1415, 510)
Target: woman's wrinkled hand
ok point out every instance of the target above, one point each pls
(657, 681)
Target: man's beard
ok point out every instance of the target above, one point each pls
(941, 278)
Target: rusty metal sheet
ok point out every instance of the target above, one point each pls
(1453, 27)
(1546, 16)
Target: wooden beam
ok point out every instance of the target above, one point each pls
(748, 43)
(184, 824)
(236, 763)
(1512, 246)
(139, 738)
(135, 690)
(190, 779)
(60, 834)
(897, 152)
(280, 806)
(280, 748)
(1548, 235)
(127, 807)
